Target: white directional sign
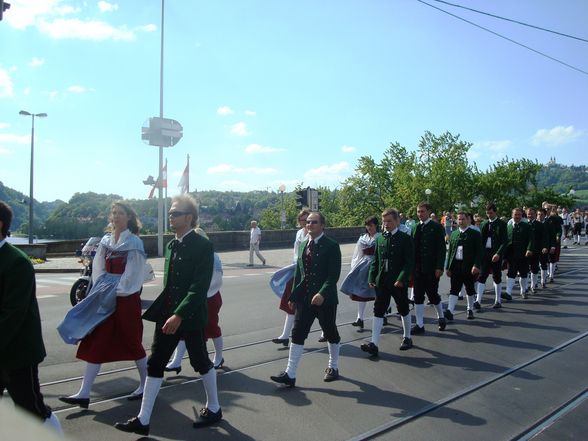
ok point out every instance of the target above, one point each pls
(162, 132)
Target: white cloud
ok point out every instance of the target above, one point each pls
(79, 89)
(93, 30)
(556, 136)
(224, 111)
(26, 91)
(257, 148)
(36, 62)
(240, 129)
(147, 28)
(6, 87)
(4, 125)
(250, 112)
(229, 168)
(348, 149)
(494, 150)
(11, 138)
(53, 94)
(107, 7)
(4, 151)
(333, 172)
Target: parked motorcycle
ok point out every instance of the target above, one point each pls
(81, 287)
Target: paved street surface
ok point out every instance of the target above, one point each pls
(517, 373)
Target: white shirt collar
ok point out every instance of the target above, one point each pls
(425, 222)
(316, 239)
(465, 229)
(181, 238)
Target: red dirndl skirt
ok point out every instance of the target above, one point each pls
(214, 304)
(119, 337)
(286, 296)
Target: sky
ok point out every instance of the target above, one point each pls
(280, 92)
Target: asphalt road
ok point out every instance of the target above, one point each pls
(517, 373)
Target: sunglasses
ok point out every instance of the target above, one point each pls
(177, 213)
(311, 222)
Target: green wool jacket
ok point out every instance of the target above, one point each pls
(324, 273)
(398, 249)
(540, 236)
(473, 252)
(21, 340)
(185, 295)
(431, 251)
(520, 239)
(499, 236)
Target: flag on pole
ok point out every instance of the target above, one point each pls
(163, 178)
(184, 183)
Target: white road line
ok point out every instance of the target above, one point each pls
(55, 282)
(46, 296)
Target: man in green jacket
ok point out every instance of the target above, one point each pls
(494, 237)
(520, 246)
(21, 340)
(540, 246)
(314, 296)
(180, 312)
(464, 259)
(389, 274)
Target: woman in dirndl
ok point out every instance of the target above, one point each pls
(355, 285)
(108, 322)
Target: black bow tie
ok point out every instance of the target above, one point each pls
(173, 245)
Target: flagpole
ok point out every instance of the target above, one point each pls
(188, 177)
(165, 218)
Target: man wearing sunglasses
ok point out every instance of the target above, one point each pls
(180, 312)
(314, 296)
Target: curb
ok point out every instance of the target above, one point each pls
(55, 270)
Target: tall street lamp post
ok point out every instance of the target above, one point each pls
(32, 115)
(282, 189)
(428, 193)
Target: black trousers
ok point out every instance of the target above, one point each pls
(533, 262)
(384, 295)
(23, 386)
(517, 265)
(164, 345)
(304, 318)
(460, 276)
(426, 283)
(489, 266)
(543, 261)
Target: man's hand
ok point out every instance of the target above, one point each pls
(529, 253)
(292, 306)
(317, 300)
(475, 270)
(372, 285)
(496, 258)
(448, 273)
(544, 251)
(172, 324)
(552, 250)
(438, 274)
(399, 284)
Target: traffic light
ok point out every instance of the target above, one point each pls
(301, 199)
(3, 7)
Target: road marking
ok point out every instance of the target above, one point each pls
(46, 296)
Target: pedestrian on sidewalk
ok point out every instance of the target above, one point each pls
(21, 341)
(254, 241)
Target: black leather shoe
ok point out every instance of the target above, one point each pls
(370, 348)
(497, 306)
(506, 296)
(406, 344)
(176, 370)
(442, 324)
(281, 341)
(220, 365)
(206, 417)
(477, 306)
(417, 330)
(331, 374)
(136, 397)
(448, 315)
(358, 323)
(470, 314)
(133, 426)
(284, 378)
(82, 402)
(322, 339)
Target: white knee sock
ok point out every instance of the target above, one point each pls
(377, 325)
(543, 276)
(293, 359)
(176, 360)
(439, 309)
(54, 424)
(209, 382)
(142, 368)
(497, 292)
(452, 302)
(90, 374)
(470, 300)
(152, 386)
(419, 312)
(524, 284)
(411, 296)
(334, 355)
(480, 287)
(361, 310)
(533, 280)
(218, 350)
(510, 283)
(288, 324)
(406, 324)
(551, 270)
(462, 292)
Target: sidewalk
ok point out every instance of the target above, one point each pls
(275, 258)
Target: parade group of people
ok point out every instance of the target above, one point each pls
(402, 263)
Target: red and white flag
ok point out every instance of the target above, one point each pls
(163, 178)
(184, 183)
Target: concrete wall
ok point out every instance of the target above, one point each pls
(38, 251)
(222, 240)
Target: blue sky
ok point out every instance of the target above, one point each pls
(279, 92)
